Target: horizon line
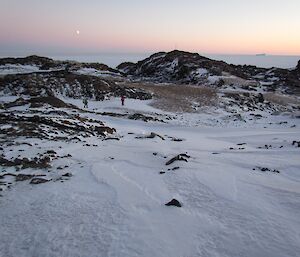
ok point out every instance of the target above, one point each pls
(77, 53)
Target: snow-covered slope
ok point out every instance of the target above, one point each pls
(177, 171)
(105, 196)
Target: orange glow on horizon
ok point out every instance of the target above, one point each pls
(211, 27)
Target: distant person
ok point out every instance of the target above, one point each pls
(85, 103)
(123, 99)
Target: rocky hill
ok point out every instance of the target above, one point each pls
(192, 68)
(41, 76)
(67, 84)
(46, 64)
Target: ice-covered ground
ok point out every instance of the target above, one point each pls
(114, 205)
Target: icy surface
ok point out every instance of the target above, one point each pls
(114, 203)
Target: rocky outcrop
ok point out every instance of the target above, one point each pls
(180, 157)
(29, 60)
(29, 126)
(298, 67)
(39, 102)
(45, 63)
(191, 68)
(175, 66)
(185, 67)
(36, 181)
(139, 116)
(67, 84)
(24, 163)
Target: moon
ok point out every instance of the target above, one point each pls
(77, 32)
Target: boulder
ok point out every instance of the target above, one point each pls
(174, 202)
(260, 98)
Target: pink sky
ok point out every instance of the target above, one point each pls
(215, 26)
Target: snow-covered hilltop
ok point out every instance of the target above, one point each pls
(202, 160)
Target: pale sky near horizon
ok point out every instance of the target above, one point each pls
(206, 26)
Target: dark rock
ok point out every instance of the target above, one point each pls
(152, 135)
(29, 60)
(39, 181)
(5, 162)
(51, 100)
(139, 116)
(177, 66)
(51, 152)
(298, 67)
(264, 169)
(19, 102)
(7, 174)
(46, 84)
(68, 174)
(111, 138)
(42, 163)
(174, 202)
(177, 139)
(175, 168)
(23, 177)
(104, 130)
(179, 157)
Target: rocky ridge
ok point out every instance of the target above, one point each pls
(67, 84)
(191, 68)
(46, 64)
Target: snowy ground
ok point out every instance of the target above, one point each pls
(17, 69)
(114, 205)
(20, 69)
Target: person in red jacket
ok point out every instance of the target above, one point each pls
(123, 99)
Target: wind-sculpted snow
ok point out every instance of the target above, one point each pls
(208, 172)
(107, 197)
